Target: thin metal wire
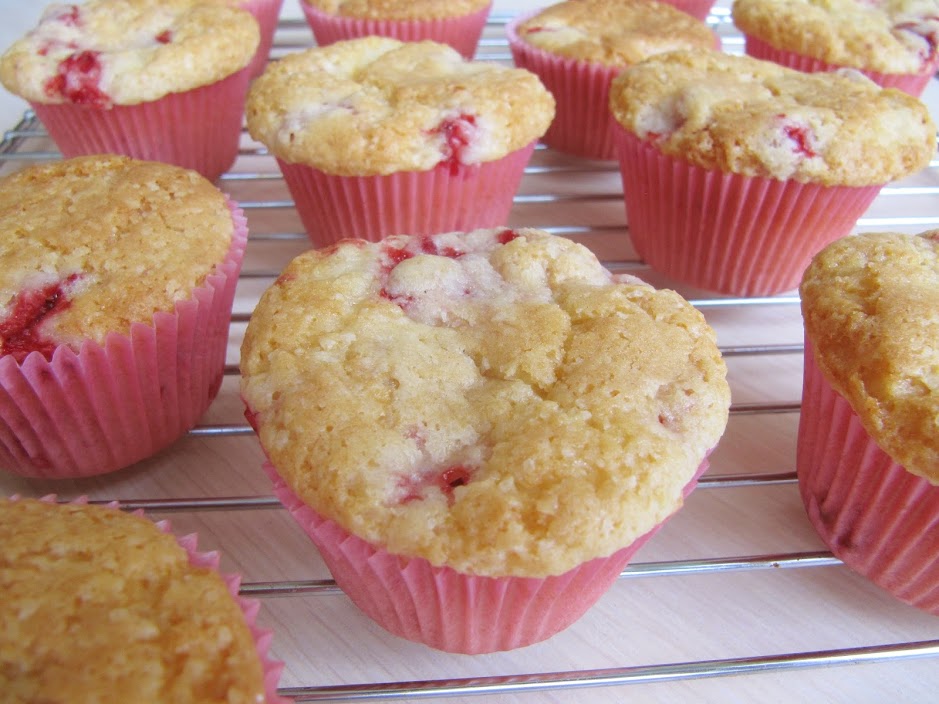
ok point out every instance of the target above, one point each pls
(670, 568)
(620, 676)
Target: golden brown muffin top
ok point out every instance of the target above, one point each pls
(887, 36)
(102, 607)
(871, 309)
(399, 9)
(614, 32)
(93, 244)
(375, 106)
(494, 401)
(745, 116)
(124, 52)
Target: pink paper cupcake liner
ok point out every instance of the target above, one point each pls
(911, 83)
(583, 123)
(108, 406)
(198, 129)
(249, 607)
(447, 198)
(723, 232)
(876, 517)
(449, 610)
(266, 12)
(462, 33)
(699, 9)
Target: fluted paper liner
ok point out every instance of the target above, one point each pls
(249, 607)
(266, 12)
(450, 610)
(447, 198)
(733, 234)
(583, 123)
(911, 83)
(879, 519)
(108, 406)
(198, 129)
(462, 33)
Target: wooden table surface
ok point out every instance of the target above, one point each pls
(735, 600)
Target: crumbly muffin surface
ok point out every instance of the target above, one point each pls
(93, 244)
(102, 607)
(871, 309)
(890, 36)
(375, 106)
(493, 401)
(124, 52)
(741, 115)
(614, 32)
(399, 9)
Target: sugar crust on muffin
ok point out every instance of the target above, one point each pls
(871, 308)
(896, 36)
(375, 106)
(124, 52)
(102, 606)
(755, 118)
(493, 401)
(93, 244)
(614, 32)
(399, 9)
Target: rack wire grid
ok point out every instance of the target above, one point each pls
(708, 611)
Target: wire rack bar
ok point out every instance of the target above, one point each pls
(670, 568)
(247, 503)
(216, 430)
(617, 676)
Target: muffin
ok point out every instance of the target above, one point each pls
(101, 607)
(577, 47)
(378, 137)
(736, 171)
(116, 280)
(266, 13)
(868, 449)
(458, 23)
(157, 81)
(479, 429)
(892, 43)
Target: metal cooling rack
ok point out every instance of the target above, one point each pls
(540, 203)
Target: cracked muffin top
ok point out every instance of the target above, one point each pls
(374, 106)
(614, 32)
(93, 244)
(124, 52)
(871, 309)
(399, 9)
(886, 36)
(756, 118)
(101, 606)
(494, 401)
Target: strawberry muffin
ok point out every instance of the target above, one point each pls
(736, 171)
(578, 47)
(158, 81)
(104, 607)
(893, 43)
(868, 451)
(376, 137)
(116, 285)
(458, 23)
(478, 429)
